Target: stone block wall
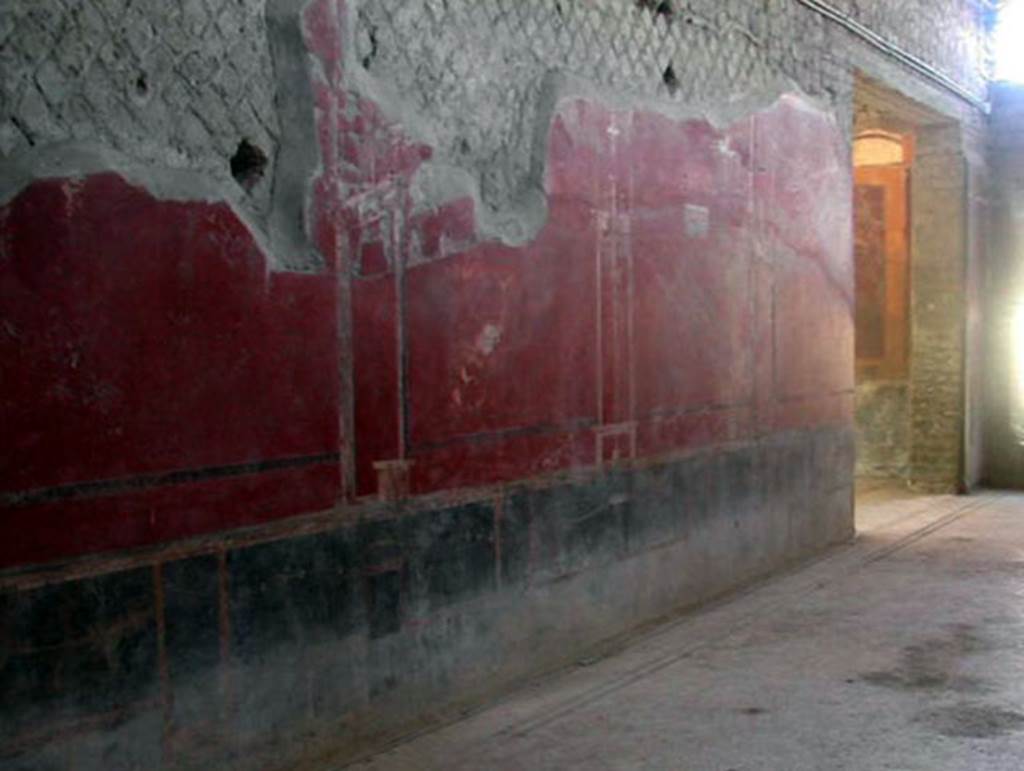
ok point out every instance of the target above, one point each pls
(926, 429)
(883, 430)
(950, 35)
(176, 84)
(524, 337)
(938, 314)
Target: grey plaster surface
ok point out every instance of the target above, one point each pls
(164, 93)
(476, 79)
(179, 86)
(175, 84)
(901, 651)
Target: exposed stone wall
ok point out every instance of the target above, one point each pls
(175, 84)
(950, 35)
(938, 309)
(941, 452)
(182, 85)
(883, 430)
(479, 72)
(478, 75)
(653, 371)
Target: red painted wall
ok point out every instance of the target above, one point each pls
(692, 285)
(149, 357)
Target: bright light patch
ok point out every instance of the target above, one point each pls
(1017, 341)
(1010, 42)
(1017, 352)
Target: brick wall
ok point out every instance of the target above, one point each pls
(938, 313)
(932, 436)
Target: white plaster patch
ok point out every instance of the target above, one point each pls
(697, 220)
(488, 339)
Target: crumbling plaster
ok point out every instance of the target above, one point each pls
(178, 86)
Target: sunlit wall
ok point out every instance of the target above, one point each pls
(1009, 42)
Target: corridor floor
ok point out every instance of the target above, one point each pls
(904, 650)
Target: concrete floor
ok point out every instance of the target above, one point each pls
(904, 650)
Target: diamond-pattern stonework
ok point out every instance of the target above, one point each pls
(475, 69)
(178, 83)
(182, 83)
(948, 34)
(436, 54)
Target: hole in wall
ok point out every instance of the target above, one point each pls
(139, 89)
(248, 165)
(371, 42)
(658, 8)
(670, 80)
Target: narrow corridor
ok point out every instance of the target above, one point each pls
(903, 650)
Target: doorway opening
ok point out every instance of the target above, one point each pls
(909, 183)
(882, 162)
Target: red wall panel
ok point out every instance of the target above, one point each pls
(145, 338)
(375, 365)
(691, 285)
(693, 311)
(503, 338)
